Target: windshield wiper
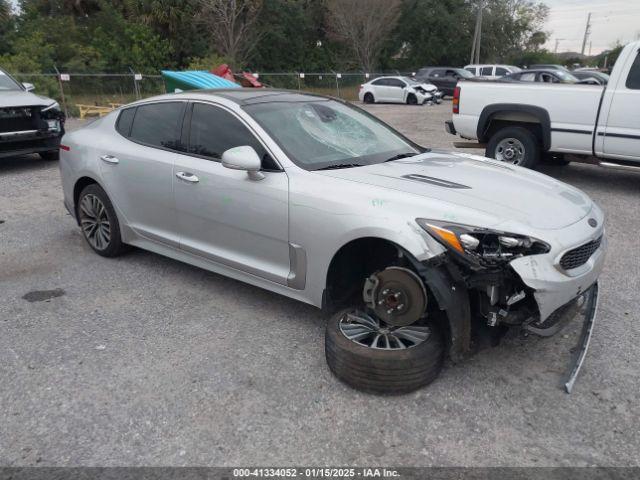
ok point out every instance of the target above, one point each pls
(400, 156)
(340, 165)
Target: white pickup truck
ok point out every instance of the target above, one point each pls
(519, 122)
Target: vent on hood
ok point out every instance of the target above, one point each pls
(433, 181)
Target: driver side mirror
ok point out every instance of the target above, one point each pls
(28, 87)
(243, 158)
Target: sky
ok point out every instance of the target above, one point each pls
(611, 21)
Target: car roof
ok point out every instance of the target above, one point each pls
(244, 96)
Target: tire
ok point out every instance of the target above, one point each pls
(88, 209)
(516, 141)
(382, 371)
(368, 98)
(412, 99)
(51, 155)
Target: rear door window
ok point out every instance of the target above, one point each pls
(394, 82)
(633, 80)
(158, 125)
(486, 71)
(379, 82)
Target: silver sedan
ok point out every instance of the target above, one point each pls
(413, 251)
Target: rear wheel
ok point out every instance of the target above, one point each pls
(99, 222)
(368, 98)
(515, 145)
(370, 355)
(51, 155)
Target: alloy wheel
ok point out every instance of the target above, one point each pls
(368, 331)
(95, 222)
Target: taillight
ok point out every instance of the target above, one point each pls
(64, 147)
(456, 100)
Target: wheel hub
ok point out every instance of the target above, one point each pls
(396, 295)
(510, 150)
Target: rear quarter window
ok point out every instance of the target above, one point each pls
(125, 120)
(633, 80)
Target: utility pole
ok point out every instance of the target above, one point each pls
(587, 31)
(558, 40)
(477, 35)
(590, 45)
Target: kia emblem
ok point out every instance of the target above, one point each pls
(593, 222)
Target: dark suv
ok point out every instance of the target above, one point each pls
(29, 123)
(445, 78)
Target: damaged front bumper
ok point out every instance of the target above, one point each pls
(585, 306)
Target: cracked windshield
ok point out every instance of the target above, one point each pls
(321, 135)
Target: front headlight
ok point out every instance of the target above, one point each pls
(482, 246)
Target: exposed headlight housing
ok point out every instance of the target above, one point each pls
(481, 246)
(53, 106)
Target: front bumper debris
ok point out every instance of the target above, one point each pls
(589, 312)
(585, 306)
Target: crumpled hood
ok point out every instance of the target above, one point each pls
(501, 191)
(429, 87)
(20, 98)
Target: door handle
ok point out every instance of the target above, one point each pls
(110, 159)
(187, 177)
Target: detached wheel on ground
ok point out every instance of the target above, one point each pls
(412, 99)
(515, 145)
(99, 222)
(368, 98)
(369, 355)
(52, 155)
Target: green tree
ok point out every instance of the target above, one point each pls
(430, 32)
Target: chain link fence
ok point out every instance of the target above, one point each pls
(75, 91)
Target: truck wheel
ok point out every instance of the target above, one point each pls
(369, 355)
(99, 222)
(51, 155)
(368, 98)
(515, 145)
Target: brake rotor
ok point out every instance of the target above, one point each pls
(396, 295)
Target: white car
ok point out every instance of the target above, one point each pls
(492, 71)
(518, 122)
(399, 90)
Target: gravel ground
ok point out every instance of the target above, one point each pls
(142, 360)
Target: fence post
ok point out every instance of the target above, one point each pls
(64, 102)
(136, 89)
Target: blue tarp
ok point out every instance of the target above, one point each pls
(195, 79)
